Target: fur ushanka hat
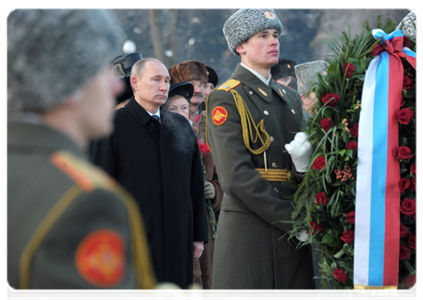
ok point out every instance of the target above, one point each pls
(408, 25)
(307, 74)
(51, 53)
(187, 71)
(246, 22)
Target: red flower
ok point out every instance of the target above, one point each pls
(348, 236)
(350, 217)
(407, 83)
(416, 215)
(410, 281)
(403, 231)
(340, 275)
(315, 227)
(351, 145)
(348, 69)
(330, 99)
(321, 198)
(354, 130)
(405, 115)
(413, 169)
(411, 241)
(326, 124)
(408, 207)
(404, 252)
(204, 148)
(415, 184)
(404, 184)
(319, 163)
(196, 118)
(402, 152)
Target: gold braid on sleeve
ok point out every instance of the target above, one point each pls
(251, 131)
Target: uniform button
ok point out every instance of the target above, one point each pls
(251, 92)
(274, 165)
(293, 111)
(266, 112)
(272, 138)
(276, 190)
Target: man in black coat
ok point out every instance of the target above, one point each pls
(158, 161)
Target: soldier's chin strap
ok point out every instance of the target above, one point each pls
(250, 131)
(248, 125)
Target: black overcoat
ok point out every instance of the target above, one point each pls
(161, 167)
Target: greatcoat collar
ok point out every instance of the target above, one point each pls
(259, 87)
(137, 112)
(141, 116)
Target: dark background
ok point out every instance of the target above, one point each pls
(197, 33)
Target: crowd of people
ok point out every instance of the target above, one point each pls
(134, 175)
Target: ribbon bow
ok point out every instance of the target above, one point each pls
(393, 43)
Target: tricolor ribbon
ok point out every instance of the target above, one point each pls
(377, 226)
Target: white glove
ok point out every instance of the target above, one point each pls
(303, 236)
(300, 150)
(209, 190)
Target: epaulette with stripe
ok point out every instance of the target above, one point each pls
(83, 173)
(229, 85)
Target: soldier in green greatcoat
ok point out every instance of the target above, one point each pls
(69, 225)
(253, 130)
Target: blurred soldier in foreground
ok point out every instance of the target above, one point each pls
(69, 224)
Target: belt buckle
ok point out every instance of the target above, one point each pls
(290, 176)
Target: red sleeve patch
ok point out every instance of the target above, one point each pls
(100, 258)
(219, 115)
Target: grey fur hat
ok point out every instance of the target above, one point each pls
(51, 53)
(408, 25)
(307, 74)
(246, 22)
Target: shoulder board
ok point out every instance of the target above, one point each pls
(229, 85)
(82, 172)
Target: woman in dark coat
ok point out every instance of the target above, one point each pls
(179, 102)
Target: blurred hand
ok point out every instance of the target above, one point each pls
(198, 249)
(300, 150)
(209, 190)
